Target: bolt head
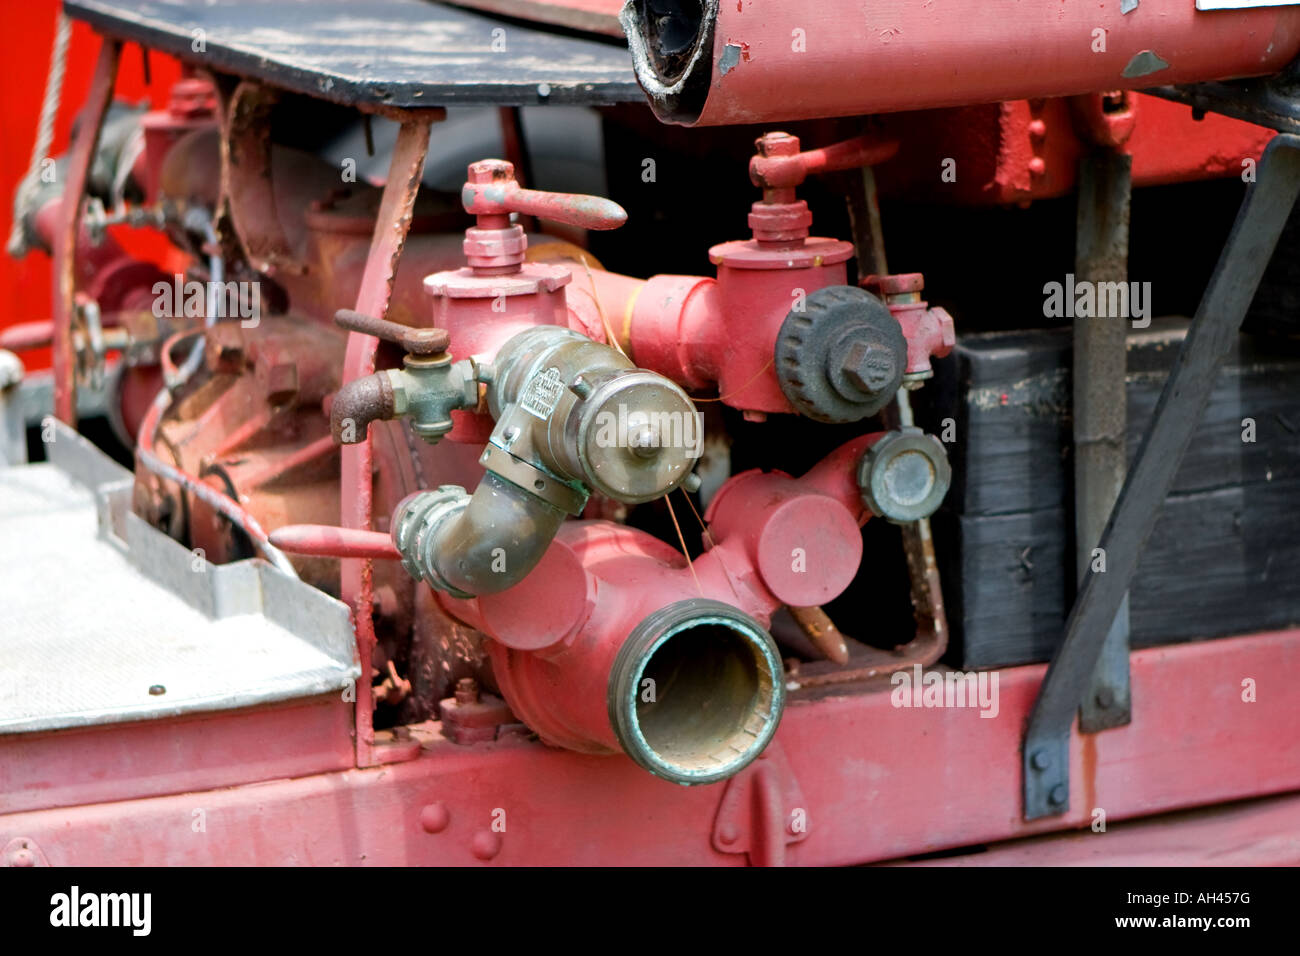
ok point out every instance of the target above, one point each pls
(869, 368)
(1040, 759)
(644, 442)
(777, 144)
(491, 170)
(467, 691)
(1058, 795)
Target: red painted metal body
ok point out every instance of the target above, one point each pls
(706, 333)
(1022, 150)
(555, 634)
(874, 776)
(877, 782)
(767, 63)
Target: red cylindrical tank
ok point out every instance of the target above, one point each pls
(716, 62)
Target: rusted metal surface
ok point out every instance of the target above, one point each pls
(389, 238)
(821, 630)
(82, 156)
(1100, 411)
(246, 181)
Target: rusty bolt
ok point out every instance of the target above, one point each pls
(902, 283)
(491, 170)
(867, 368)
(466, 691)
(226, 347)
(281, 382)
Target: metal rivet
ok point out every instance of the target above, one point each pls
(434, 818)
(1040, 759)
(485, 844)
(1058, 794)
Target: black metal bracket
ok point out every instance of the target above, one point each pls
(1101, 412)
(1250, 245)
(1271, 101)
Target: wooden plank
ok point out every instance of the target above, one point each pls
(1219, 563)
(1011, 406)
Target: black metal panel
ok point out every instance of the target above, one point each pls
(394, 53)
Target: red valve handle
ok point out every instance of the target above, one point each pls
(780, 166)
(492, 194)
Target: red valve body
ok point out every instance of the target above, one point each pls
(776, 540)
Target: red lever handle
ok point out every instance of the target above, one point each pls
(780, 165)
(492, 193)
(327, 541)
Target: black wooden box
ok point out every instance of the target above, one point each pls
(1225, 555)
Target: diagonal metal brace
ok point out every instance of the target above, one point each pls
(1263, 213)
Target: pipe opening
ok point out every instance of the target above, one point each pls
(697, 692)
(671, 42)
(671, 29)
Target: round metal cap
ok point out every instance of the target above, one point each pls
(639, 436)
(904, 476)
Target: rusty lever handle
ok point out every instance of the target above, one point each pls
(413, 341)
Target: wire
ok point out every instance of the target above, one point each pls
(44, 131)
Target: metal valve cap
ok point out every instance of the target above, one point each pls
(904, 476)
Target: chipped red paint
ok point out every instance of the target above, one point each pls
(803, 63)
